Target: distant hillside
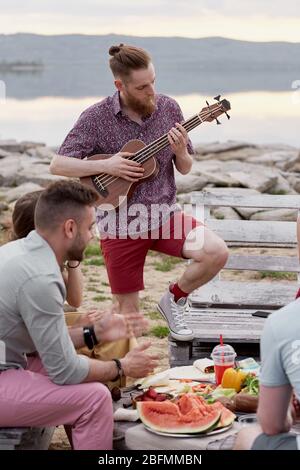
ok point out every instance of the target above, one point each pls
(76, 65)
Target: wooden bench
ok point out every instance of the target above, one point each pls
(25, 438)
(226, 306)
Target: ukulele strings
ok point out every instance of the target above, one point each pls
(142, 155)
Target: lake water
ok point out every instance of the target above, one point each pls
(256, 116)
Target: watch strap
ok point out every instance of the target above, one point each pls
(93, 335)
(119, 367)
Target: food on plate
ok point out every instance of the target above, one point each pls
(223, 392)
(203, 389)
(249, 365)
(245, 402)
(240, 402)
(116, 393)
(150, 395)
(190, 414)
(227, 403)
(251, 385)
(205, 365)
(161, 379)
(233, 378)
(227, 417)
(209, 369)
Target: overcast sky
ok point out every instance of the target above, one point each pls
(254, 20)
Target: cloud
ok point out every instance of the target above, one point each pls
(233, 8)
(167, 8)
(256, 20)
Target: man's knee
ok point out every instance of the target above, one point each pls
(220, 252)
(99, 394)
(214, 250)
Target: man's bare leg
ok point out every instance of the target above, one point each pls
(128, 303)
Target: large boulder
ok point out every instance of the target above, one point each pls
(283, 159)
(283, 215)
(21, 147)
(190, 182)
(15, 193)
(217, 147)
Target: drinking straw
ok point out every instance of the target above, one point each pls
(221, 342)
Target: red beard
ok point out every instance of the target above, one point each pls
(142, 108)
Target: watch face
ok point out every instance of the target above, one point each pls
(88, 340)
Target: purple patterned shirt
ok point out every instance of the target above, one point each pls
(104, 128)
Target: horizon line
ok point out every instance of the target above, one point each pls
(149, 37)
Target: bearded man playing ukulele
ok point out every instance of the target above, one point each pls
(135, 111)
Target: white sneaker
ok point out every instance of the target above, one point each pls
(173, 313)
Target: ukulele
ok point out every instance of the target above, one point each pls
(113, 190)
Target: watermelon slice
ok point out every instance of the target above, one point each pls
(186, 416)
(227, 417)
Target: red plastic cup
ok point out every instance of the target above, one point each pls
(223, 356)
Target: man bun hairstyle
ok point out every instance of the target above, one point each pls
(126, 58)
(63, 200)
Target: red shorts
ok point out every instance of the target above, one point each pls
(125, 258)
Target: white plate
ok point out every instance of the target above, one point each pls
(202, 434)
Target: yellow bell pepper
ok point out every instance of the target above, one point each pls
(233, 378)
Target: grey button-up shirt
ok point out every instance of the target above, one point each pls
(32, 293)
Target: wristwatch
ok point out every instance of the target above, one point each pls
(120, 369)
(89, 336)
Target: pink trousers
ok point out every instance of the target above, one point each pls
(29, 398)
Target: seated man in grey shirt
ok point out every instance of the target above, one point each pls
(57, 386)
(279, 382)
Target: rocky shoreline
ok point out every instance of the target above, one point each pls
(229, 167)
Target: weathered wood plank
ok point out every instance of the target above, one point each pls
(255, 295)
(208, 324)
(26, 438)
(254, 232)
(202, 347)
(38, 439)
(226, 306)
(263, 263)
(260, 201)
(12, 433)
(224, 312)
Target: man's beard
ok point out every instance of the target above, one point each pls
(75, 253)
(143, 108)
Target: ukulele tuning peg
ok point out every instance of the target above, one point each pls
(217, 98)
(218, 122)
(228, 117)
